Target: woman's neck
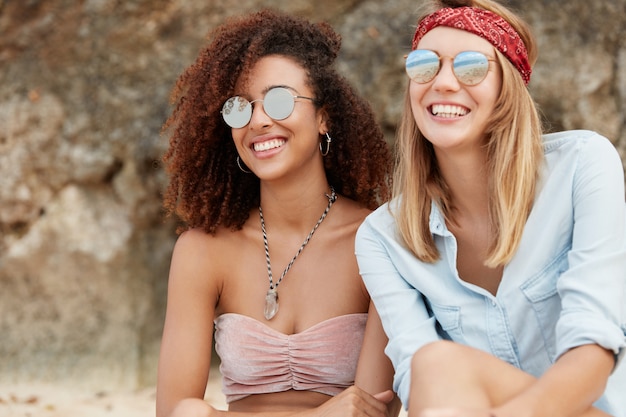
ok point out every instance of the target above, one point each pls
(294, 206)
(467, 180)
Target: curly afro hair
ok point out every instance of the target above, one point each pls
(207, 189)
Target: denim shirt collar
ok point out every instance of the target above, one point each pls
(437, 222)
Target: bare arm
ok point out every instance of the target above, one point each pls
(185, 355)
(455, 380)
(375, 372)
(568, 388)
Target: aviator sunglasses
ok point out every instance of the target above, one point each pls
(278, 103)
(469, 67)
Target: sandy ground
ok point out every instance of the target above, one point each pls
(48, 400)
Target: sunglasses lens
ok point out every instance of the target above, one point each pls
(470, 67)
(422, 65)
(237, 112)
(278, 103)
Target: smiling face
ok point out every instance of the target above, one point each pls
(272, 149)
(453, 116)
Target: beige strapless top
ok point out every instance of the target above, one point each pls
(256, 359)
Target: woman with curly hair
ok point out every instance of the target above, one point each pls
(499, 266)
(274, 161)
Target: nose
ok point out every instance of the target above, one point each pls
(445, 80)
(259, 118)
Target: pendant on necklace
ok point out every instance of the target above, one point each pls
(271, 304)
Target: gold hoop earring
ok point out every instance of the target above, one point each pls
(328, 140)
(240, 167)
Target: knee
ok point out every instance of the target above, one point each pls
(435, 356)
(191, 407)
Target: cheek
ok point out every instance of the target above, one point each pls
(238, 135)
(488, 97)
(307, 121)
(492, 87)
(416, 92)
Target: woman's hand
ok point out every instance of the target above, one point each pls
(354, 402)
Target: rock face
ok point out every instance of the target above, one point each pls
(84, 247)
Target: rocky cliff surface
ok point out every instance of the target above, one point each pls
(84, 248)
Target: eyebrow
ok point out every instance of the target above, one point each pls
(271, 87)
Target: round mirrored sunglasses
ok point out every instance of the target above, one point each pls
(278, 103)
(469, 67)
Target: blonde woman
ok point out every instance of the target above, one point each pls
(499, 267)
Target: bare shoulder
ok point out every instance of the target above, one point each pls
(350, 214)
(344, 220)
(193, 245)
(198, 243)
(199, 257)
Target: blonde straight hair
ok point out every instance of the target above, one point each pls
(514, 153)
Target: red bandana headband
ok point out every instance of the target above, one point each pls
(485, 24)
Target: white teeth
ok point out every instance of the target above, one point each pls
(267, 145)
(447, 110)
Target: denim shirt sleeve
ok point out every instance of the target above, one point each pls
(401, 307)
(593, 287)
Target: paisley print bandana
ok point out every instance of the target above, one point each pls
(485, 24)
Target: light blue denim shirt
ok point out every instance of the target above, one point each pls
(565, 286)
